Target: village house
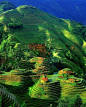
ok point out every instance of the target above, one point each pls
(66, 71)
(60, 77)
(44, 79)
(71, 80)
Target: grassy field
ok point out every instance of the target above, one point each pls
(9, 79)
(51, 89)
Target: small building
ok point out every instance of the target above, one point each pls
(77, 80)
(71, 80)
(66, 71)
(60, 77)
(61, 72)
(44, 79)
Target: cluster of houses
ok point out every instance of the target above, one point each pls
(68, 72)
(35, 46)
(39, 47)
(44, 79)
(65, 71)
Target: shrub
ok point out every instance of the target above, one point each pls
(63, 103)
(1, 31)
(78, 101)
(83, 105)
(71, 102)
(15, 25)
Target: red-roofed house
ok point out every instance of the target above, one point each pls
(71, 80)
(44, 79)
(66, 71)
(60, 77)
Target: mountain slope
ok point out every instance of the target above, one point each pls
(67, 48)
(5, 5)
(69, 9)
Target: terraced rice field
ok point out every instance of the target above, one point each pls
(69, 90)
(53, 90)
(21, 92)
(83, 96)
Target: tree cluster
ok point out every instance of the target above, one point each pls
(80, 30)
(15, 25)
(71, 102)
(1, 31)
(13, 52)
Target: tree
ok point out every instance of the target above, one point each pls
(69, 55)
(80, 30)
(23, 105)
(1, 31)
(64, 102)
(10, 52)
(2, 66)
(70, 102)
(15, 26)
(83, 105)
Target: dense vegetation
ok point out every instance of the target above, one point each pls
(80, 29)
(15, 25)
(1, 31)
(34, 42)
(71, 102)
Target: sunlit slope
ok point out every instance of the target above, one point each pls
(42, 24)
(40, 27)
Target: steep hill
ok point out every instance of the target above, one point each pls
(67, 9)
(63, 38)
(56, 88)
(5, 5)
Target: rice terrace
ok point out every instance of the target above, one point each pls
(42, 57)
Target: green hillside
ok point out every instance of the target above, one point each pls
(49, 91)
(58, 88)
(34, 43)
(31, 25)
